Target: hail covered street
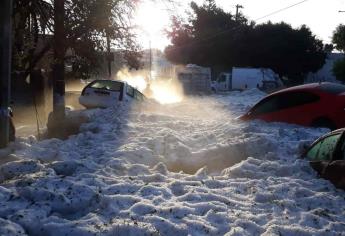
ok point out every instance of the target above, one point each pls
(189, 168)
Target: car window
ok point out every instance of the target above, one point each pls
(323, 150)
(138, 95)
(267, 105)
(284, 101)
(130, 91)
(298, 99)
(107, 84)
(269, 84)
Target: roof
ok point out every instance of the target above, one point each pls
(337, 131)
(302, 87)
(321, 86)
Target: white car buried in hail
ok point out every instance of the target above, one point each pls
(107, 93)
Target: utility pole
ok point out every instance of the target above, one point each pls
(109, 56)
(238, 6)
(57, 118)
(5, 68)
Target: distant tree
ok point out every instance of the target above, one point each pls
(339, 40)
(32, 20)
(339, 70)
(328, 48)
(201, 39)
(87, 24)
(210, 4)
(290, 52)
(212, 37)
(339, 37)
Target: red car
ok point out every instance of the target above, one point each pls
(316, 105)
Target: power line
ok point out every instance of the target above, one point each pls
(280, 10)
(232, 29)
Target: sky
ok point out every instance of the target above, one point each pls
(322, 16)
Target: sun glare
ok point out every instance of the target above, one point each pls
(151, 20)
(165, 91)
(136, 80)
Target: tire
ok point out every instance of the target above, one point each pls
(324, 123)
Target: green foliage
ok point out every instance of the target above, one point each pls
(339, 40)
(339, 70)
(32, 19)
(339, 37)
(90, 22)
(213, 38)
(191, 41)
(87, 24)
(290, 52)
(328, 48)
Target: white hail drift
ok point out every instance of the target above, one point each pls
(122, 175)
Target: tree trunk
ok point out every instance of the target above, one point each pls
(57, 117)
(5, 69)
(59, 61)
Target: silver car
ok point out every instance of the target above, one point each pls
(108, 93)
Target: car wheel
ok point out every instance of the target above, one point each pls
(323, 123)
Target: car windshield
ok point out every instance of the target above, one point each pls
(332, 88)
(107, 84)
(323, 150)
